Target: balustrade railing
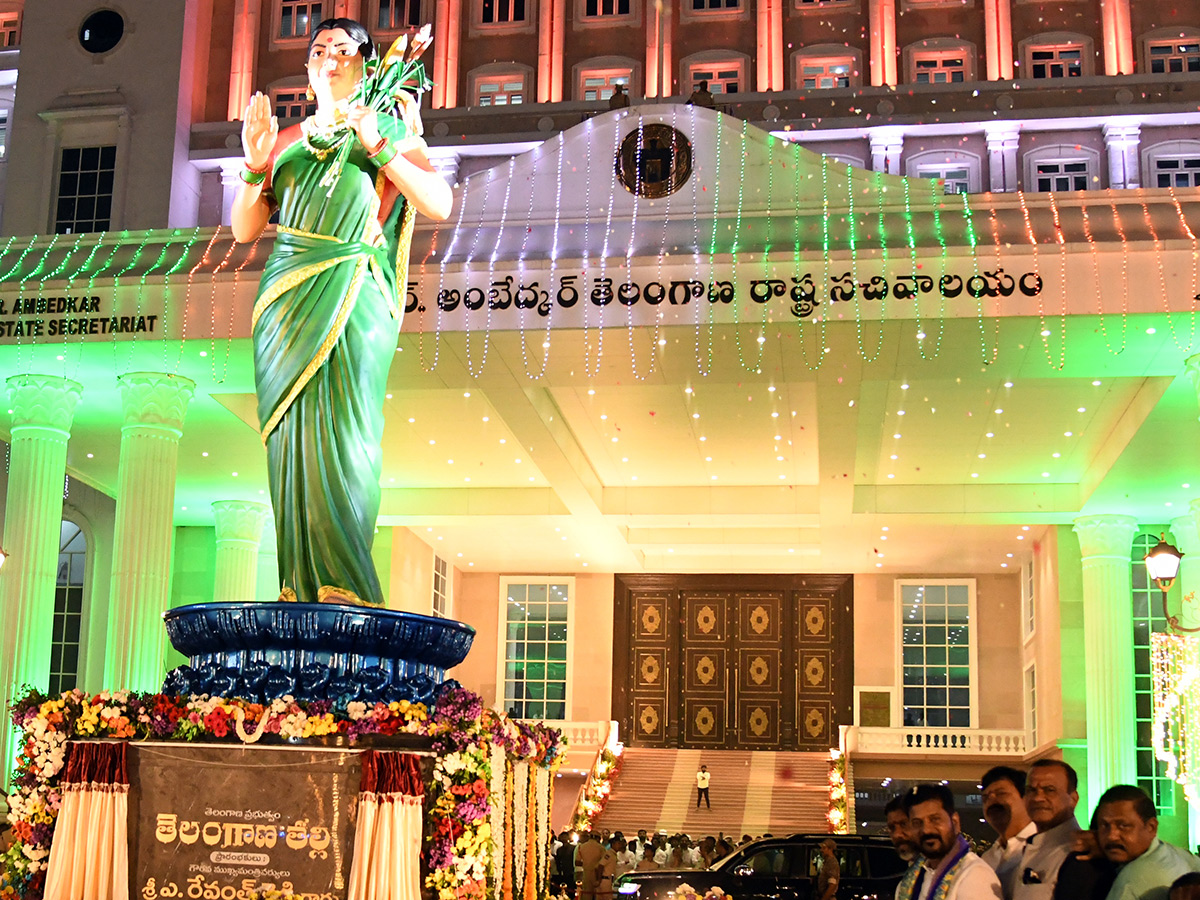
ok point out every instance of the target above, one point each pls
(913, 740)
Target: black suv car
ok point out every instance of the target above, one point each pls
(779, 868)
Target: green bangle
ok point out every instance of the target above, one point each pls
(251, 177)
(385, 155)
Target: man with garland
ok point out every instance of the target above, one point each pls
(1051, 795)
(1004, 810)
(948, 869)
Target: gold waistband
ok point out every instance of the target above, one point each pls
(309, 234)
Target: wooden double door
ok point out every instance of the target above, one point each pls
(733, 662)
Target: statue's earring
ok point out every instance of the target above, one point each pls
(309, 95)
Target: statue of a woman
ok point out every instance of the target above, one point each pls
(346, 183)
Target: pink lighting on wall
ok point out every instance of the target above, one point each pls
(1118, 37)
(997, 26)
(883, 42)
(246, 14)
(770, 45)
(446, 29)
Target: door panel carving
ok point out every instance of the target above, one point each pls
(721, 661)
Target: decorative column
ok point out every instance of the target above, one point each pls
(43, 407)
(1118, 37)
(1002, 142)
(1104, 542)
(239, 526)
(1185, 534)
(446, 38)
(154, 406)
(998, 44)
(886, 147)
(246, 17)
(1121, 140)
(769, 45)
(882, 22)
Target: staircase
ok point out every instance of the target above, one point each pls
(752, 792)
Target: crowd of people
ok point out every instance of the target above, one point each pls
(599, 857)
(1041, 852)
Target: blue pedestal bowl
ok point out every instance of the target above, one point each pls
(312, 651)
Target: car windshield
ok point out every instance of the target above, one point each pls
(751, 855)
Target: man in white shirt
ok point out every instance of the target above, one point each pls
(1050, 799)
(626, 860)
(1004, 809)
(702, 787)
(949, 868)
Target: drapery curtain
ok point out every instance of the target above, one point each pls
(387, 840)
(89, 858)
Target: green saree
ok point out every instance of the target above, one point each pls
(326, 321)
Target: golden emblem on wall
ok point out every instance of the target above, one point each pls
(814, 620)
(759, 671)
(760, 619)
(706, 669)
(650, 669)
(706, 619)
(705, 720)
(814, 671)
(651, 619)
(759, 721)
(814, 722)
(648, 719)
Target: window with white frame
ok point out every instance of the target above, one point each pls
(297, 18)
(500, 12)
(1061, 175)
(1031, 720)
(536, 641)
(1173, 57)
(10, 29)
(940, 66)
(398, 15)
(598, 84)
(821, 73)
(1148, 618)
(937, 652)
(500, 90)
(291, 103)
(85, 189)
(956, 176)
(3, 134)
(1177, 171)
(723, 76)
(1056, 61)
(441, 588)
(68, 609)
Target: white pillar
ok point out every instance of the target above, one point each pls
(154, 405)
(886, 147)
(1185, 534)
(231, 180)
(1002, 142)
(43, 407)
(1105, 542)
(239, 526)
(1121, 140)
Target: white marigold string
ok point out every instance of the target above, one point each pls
(1175, 667)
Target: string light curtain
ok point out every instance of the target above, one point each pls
(1175, 667)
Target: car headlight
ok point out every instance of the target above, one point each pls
(627, 887)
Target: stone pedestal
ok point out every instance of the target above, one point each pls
(239, 526)
(43, 407)
(154, 406)
(1002, 143)
(1105, 542)
(1122, 140)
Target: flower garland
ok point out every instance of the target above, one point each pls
(597, 789)
(838, 814)
(464, 734)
